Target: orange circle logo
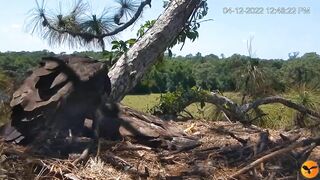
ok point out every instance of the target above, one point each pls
(309, 169)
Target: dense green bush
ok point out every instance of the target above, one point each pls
(174, 103)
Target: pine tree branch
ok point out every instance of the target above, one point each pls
(90, 36)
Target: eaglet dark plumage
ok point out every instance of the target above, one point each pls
(56, 98)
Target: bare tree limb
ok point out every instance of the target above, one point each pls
(237, 112)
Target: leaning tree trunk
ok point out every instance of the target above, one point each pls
(132, 65)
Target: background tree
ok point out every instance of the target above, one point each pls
(253, 82)
(293, 55)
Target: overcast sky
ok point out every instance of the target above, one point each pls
(274, 35)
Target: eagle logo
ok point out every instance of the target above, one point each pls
(309, 169)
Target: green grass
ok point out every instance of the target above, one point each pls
(141, 102)
(278, 115)
(145, 102)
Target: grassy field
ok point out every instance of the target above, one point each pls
(278, 116)
(141, 102)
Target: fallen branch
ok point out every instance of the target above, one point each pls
(235, 112)
(281, 100)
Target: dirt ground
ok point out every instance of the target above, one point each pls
(217, 157)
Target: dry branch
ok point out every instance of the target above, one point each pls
(274, 154)
(281, 100)
(237, 112)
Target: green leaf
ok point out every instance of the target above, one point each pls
(115, 46)
(131, 41)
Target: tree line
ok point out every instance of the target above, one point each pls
(234, 73)
(210, 72)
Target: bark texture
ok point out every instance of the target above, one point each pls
(132, 65)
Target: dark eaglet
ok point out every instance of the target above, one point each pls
(56, 99)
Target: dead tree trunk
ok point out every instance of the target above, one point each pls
(238, 113)
(132, 65)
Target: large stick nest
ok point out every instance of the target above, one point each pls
(225, 149)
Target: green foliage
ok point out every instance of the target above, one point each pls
(277, 116)
(170, 104)
(118, 48)
(173, 103)
(18, 63)
(257, 77)
(143, 28)
(6, 88)
(253, 81)
(303, 70)
(307, 97)
(167, 76)
(190, 31)
(122, 46)
(208, 72)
